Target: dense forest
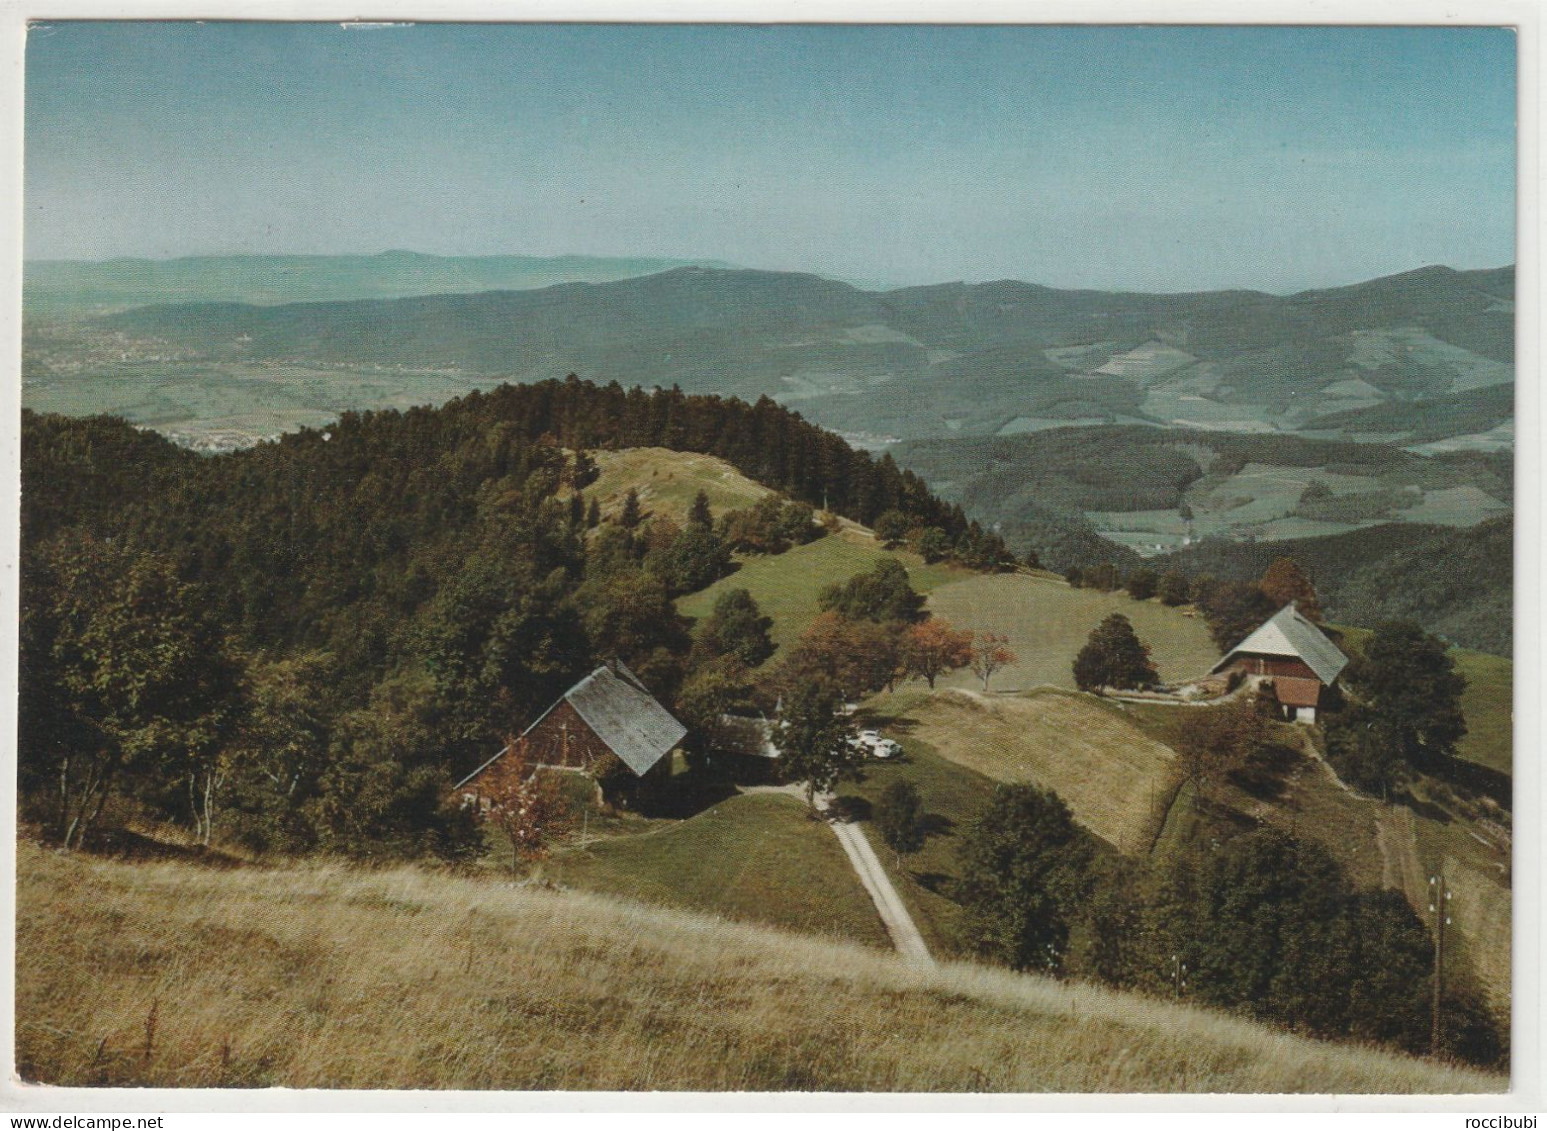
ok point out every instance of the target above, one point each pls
(1389, 572)
(317, 634)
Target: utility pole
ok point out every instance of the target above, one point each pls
(1439, 906)
(1178, 976)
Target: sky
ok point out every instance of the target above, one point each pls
(1157, 159)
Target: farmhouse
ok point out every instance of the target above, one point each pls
(607, 714)
(1290, 658)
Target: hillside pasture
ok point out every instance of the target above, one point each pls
(174, 975)
(1113, 776)
(756, 858)
(668, 481)
(952, 797)
(1489, 706)
(787, 586)
(1048, 622)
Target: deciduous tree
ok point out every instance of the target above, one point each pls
(1234, 610)
(883, 594)
(1023, 871)
(123, 670)
(899, 818)
(932, 648)
(1174, 588)
(1407, 678)
(934, 545)
(1115, 657)
(1284, 582)
(814, 739)
(737, 627)
(523, 803)
(891, 527)
(990, 652)
(1217, 741)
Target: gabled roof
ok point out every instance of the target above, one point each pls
(1288, 633)
(626, 717)
(623, 714)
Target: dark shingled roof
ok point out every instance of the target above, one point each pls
(626, 717)
(1288, 633)
(623, 714)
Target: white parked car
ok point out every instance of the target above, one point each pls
(886, 748)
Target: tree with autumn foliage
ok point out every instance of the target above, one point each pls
(1285, 582)
(990, 652)
(931, 649)
(523, 804)
(857, 657)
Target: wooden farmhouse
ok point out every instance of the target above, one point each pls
(609, 712)
(1291, 659)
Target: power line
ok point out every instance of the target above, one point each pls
(1439, 907)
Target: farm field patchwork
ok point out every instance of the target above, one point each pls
(224, 405)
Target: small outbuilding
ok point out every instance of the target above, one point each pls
(1290, 658)
(609, 712)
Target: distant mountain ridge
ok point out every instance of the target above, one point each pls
(1001, 358)
(60, 286)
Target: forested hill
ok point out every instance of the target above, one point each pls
(953, 359)
(1457, 583)
(340, 623)
(290, 535)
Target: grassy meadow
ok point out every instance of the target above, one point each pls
(1111, 774)
(174, 974)
(1489, 706)
(786, 586)
(1048, 622)
(756, 858)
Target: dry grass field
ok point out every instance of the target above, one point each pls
(173, 974)
(667, 482)
(1112, 775)
(1048, 623)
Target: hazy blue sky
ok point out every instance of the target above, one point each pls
(1155, 159)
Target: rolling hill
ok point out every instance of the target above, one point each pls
(66, 288)
(989, 359)
(330, 977)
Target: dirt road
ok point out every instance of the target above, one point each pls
(867, 866)
(899, 924)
